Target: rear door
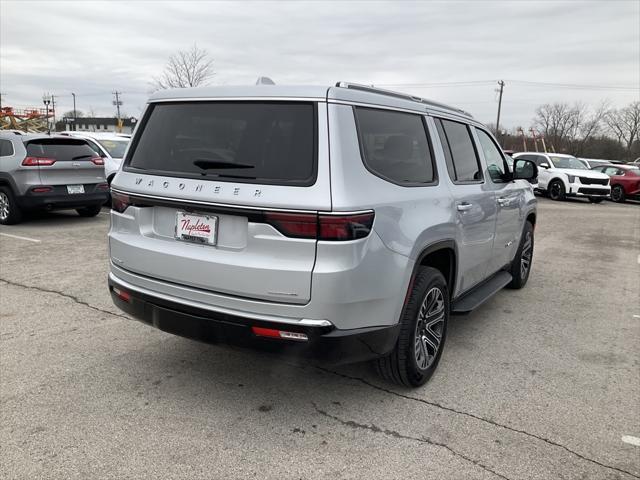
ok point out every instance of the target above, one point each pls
(66, 161)
(474, 201)
(252, 174)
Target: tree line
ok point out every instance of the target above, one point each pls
(600, 132)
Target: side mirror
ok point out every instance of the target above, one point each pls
(544, 165)
(525, 170)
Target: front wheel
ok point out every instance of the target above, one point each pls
(423, 329)
(556, 190)
(617, 194)
(89, 211)
(521, 265)
(596, 199)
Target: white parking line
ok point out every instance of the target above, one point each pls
(636, 316)
(631, 440)
(21, 238)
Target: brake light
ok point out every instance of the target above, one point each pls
(323, 226)
(38, 162)
(120, 202)
(345, 227)
(297, 225)
(98, 160)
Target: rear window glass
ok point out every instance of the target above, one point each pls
(60, 149)
(394, 146)
(256, 142)
(115, 148)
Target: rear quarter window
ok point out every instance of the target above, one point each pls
(60, 149)
(6, 148)
(252, 142)
(395, 146)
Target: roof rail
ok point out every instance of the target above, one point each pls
(403, 96)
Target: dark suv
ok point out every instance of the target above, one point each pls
(51, 173)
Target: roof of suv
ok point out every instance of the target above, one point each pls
(565, 155)
(341, 92)
(26, 137)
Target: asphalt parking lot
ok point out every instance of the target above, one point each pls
(539, 383)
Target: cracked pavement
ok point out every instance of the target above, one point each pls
(540, 383)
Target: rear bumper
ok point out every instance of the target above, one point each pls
(326, 343)
(58, 198)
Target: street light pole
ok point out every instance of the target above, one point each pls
(75, 116)
(46, 99)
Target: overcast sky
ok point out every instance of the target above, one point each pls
(93, 48)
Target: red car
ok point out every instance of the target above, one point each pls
(625, 181)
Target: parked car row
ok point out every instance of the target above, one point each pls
(56, 172)
(561, 176)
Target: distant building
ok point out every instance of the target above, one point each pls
(96, 124)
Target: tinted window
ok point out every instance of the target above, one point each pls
(269, 142)
(60, 149)
(395, 146)
(115, 148)
(6, 148)
(493, 157)
(463, 158)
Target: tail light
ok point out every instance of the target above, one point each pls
(339, 227)
(97, 161)
(119, 202)
(38, 162)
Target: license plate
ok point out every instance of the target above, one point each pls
(75, 189)
(201, 229)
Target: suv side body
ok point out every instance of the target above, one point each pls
(32, 177)
(346, 297)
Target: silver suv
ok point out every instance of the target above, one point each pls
(49, 172)
(345, 223)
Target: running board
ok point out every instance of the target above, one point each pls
(481, 293)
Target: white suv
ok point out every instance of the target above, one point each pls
(110, 146)
(562, 176)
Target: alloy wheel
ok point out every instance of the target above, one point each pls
(525, 257)
(429, 328)
(616, 194)
(554, 191)
(4, 206)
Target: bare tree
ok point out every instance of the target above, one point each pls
(70, 114)
(186, 68)
(625, 124)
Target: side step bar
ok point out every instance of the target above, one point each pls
(480, 293)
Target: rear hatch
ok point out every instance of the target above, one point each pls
(65, 161)
(207, 192)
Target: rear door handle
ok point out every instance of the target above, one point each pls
(464, 206)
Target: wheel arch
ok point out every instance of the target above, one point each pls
(441, 255)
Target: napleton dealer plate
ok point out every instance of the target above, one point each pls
(195, 228)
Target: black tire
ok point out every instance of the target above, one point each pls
(414, 358)
(91, 211)
(596, 199)
(617, 194)
(10, 212)
(521, 264)
(556, 190)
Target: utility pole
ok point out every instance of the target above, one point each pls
(75, 115)
(53, 110)
(1, 94)
(501, 84)
(117, 102)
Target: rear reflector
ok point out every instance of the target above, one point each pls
(38, 162)
(103, 186)
(41, 189)
(337, 227)
(122, 295)
(273, 333)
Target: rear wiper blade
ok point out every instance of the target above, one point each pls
(81, 156)
(207, 164)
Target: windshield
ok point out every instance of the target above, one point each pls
(115, 148)
(567, 162)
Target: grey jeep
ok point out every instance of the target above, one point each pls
(345, 223)
(49, 172)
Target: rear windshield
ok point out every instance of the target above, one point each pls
(60, 149)
(256, 142)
